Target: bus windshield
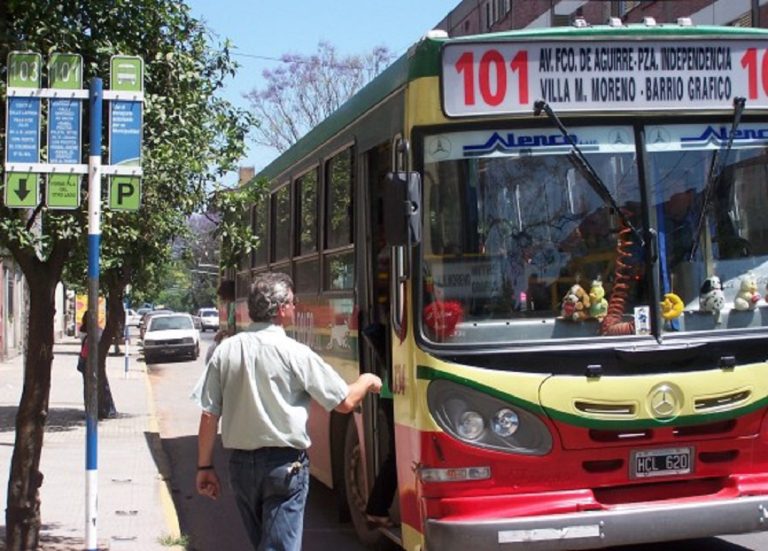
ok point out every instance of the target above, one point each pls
(518, 246)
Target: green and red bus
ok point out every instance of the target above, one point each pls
(564, 234)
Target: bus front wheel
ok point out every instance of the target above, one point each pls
(355, 486)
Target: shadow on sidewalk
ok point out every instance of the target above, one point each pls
(59, 419)
(209, 525)
(53, 543)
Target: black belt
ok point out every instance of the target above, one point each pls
(297, 453)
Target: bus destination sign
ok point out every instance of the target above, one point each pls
(501, 78)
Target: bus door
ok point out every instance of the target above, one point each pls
(375, 303)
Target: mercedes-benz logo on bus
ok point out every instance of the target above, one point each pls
(665, 401)
(439, 148)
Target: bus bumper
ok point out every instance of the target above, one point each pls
(598, 529)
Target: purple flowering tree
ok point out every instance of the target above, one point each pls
(305, 89)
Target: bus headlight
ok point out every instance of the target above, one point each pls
(482, 420)
(505, 422)
(471, 425)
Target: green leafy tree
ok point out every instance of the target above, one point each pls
(233, 228)
(191, 137)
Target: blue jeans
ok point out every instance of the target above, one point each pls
(271, 486)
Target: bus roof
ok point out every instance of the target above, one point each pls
(423, 60)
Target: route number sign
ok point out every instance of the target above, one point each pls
(502, 78)
(22, 189)
(65, 72)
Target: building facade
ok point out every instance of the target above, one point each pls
(12, 308)
(486, 16)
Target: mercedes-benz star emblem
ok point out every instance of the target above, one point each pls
(665, 401)
(440, 148)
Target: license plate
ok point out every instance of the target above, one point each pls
(666, 462)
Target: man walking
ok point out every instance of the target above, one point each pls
(260, 383)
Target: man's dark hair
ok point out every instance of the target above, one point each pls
(267, 294)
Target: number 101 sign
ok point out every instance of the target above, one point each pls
(622, 75)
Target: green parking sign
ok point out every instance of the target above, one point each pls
(124, 192)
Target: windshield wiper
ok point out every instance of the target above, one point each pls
(716, 169)
(580, 162)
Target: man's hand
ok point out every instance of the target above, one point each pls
(365, 383)
(374, 382)
(208, 484)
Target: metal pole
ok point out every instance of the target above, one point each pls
(755, 13)
(94, 334)
(126, 334)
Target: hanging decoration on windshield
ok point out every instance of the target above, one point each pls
(442, 317)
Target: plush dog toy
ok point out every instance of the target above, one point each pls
(576, 304)
(711, 298)
(598, 305)
(747, 297)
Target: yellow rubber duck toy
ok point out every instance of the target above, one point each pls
(672, 306)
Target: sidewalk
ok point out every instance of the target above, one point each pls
(135, 511)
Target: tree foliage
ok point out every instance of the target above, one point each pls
(232, 209)
(191, 138)
(306, 89)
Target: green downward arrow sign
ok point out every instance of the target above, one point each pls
(22, 190)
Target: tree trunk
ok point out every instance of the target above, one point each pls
(115, 319)
(22, 514)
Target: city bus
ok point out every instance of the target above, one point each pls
(553, 245)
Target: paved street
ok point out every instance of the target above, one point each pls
(152, 440)
(213, 526)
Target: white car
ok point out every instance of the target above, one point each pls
(209, 319)
(170, 336)
(133, 317)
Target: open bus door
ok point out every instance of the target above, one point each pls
(375, 347)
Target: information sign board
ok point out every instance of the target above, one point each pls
(125, 131)
(65, 72)
(486, 78)
(22, 189)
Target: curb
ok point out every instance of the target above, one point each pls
(163, 464)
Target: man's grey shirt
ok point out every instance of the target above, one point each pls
(260, 383)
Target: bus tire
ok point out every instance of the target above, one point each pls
(356, 489)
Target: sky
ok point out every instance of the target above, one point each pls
(268, 29)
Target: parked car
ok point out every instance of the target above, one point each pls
(133, 317)
(146, 317)
(209, 319)
(170, 336)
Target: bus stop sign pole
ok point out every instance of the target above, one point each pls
(91, 373)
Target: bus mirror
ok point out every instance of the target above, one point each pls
(402, 208)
